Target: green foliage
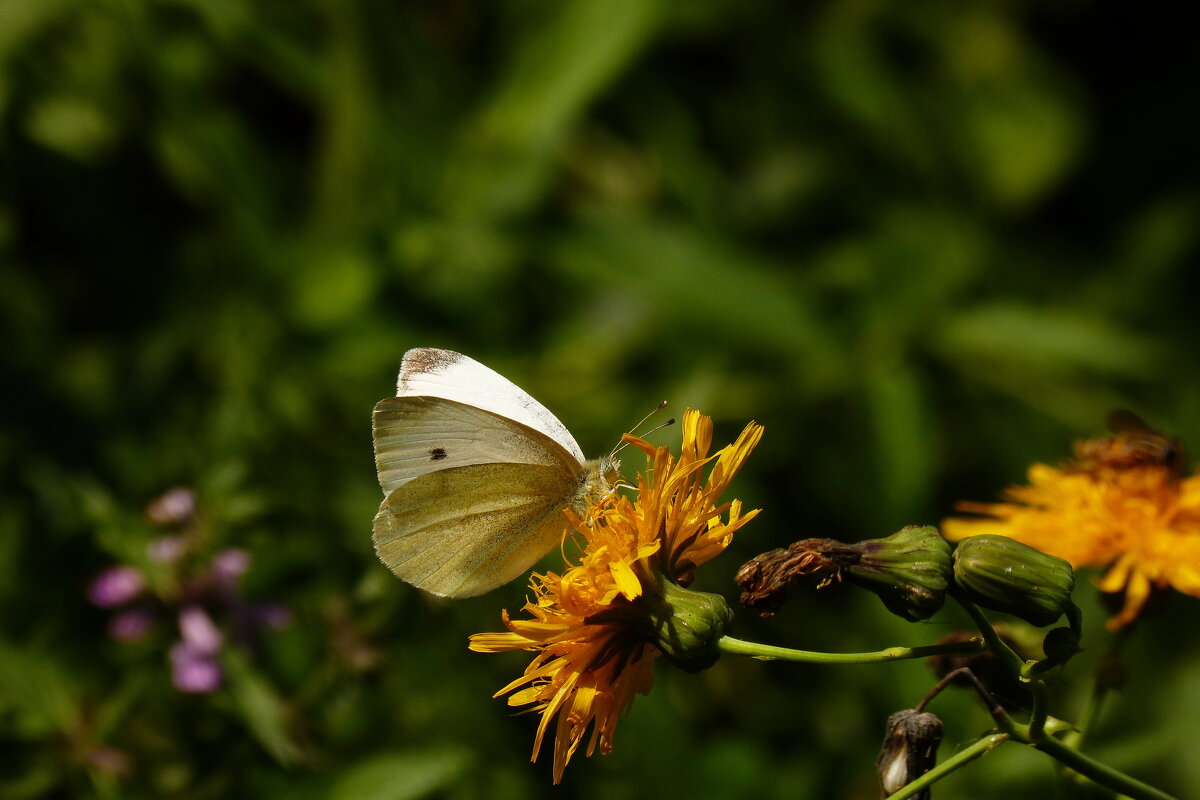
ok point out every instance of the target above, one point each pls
(925, 244)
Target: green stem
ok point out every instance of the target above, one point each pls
(962, 757)
(1075, 618)
(1107, 677)
(1037, 717)
(1090, 713)
(1013, 662)
(728, 644)
(1100, 773)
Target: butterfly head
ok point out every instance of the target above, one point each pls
(600, 479)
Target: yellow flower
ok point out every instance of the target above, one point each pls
(1141, 521)
(594, 628)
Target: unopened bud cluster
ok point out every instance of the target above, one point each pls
(912, 570)
(909, 570)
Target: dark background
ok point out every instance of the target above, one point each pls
(925, 244)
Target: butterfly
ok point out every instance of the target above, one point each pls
(1133, 444)
(475, 474)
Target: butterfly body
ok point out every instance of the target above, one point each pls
(475, 475)
(1133, 444)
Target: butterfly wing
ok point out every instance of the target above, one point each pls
(429, 372)
(462, 531)
(418, 435)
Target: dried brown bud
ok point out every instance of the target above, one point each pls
(908, 570)
(768, 578)
(909, 750)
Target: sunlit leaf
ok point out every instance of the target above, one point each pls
(405, 775)
(39, 690)
(556, 72)
(264, 712)
(1046, 338)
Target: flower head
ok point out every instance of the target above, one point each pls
(167, 549)
(116, 586)
(176, 507)
(193, 671)
(228, 566)
(598, 628)
(201, 590)
(131, 624)
(1135, 516)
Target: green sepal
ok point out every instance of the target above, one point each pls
(909, 570)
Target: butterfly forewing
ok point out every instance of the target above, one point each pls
(465, 530)
(429, 372)
(418, 435)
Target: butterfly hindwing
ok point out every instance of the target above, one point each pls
(465, 530)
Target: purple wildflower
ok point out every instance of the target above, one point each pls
(131, 624)
(176, 507)
(192, 671)
(205, 597)
(108, 759)
(167, 549)
(229, 565)
(199, 632)
(273, 615)
(116, 586)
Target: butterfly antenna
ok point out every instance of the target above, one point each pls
(653, 411)
(623, 444)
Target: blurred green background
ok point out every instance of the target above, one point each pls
(925, 244)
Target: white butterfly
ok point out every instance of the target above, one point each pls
(475, 473)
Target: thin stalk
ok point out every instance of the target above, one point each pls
(1013, 662)
(767, 652)
(954, 762)
(1100, 773)
(1091, 711)
(950, 677)
(1037, 717)
(1107, 676)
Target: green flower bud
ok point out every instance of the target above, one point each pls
(685, 625)
(688, 625)
(689, 633)
(1004, 575)
(909, 570)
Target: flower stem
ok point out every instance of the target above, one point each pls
(1037, 716)
(1090, 713)
(1100, 773)
(959, 759)
(728, 644)
(1107, 677)
(1013, 662)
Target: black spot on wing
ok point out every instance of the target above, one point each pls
(437, 454)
